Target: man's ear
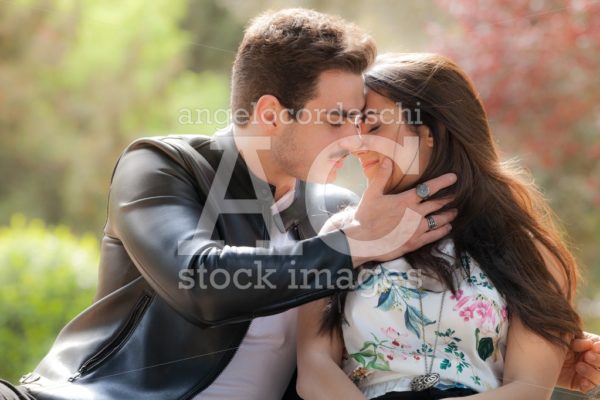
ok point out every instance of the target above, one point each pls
(267, 112)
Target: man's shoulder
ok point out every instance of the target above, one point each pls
(168, 143)
(196, 141)
(180, 155)
(179, 147)
(182, 146)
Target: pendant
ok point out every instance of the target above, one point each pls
(424, 382)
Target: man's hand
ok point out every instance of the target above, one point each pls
(386, 227)
(580, 371)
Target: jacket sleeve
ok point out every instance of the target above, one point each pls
(154, 205)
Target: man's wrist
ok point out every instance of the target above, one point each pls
(364, 249)
(356, 245)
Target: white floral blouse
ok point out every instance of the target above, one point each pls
(383, 328)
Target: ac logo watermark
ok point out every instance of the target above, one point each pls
(217, 203)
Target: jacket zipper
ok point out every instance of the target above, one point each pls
(116, 342)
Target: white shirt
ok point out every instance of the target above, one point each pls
(264, 363)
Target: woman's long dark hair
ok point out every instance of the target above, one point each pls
(500, 214)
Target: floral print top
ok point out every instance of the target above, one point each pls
(383, 327)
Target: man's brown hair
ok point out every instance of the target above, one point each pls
(284, 52)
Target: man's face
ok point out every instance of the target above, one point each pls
(325, 131)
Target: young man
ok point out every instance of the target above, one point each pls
(192, 301)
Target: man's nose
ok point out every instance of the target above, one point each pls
(352, 141)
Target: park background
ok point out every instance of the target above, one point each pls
(79, 80)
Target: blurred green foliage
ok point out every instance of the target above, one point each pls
(80, 80)
(57, 274)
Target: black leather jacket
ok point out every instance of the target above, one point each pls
(146, 338)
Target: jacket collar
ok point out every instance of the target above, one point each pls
(246, 185)
(243, 184)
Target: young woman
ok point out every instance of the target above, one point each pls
(486, 312)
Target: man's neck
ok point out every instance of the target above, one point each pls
(262, 165)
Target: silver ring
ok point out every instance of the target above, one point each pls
(423, 191)
(431, 222)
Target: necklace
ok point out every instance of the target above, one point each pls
(429, 379)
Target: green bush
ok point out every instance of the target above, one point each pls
(47, 277)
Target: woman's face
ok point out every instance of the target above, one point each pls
(409, 147)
